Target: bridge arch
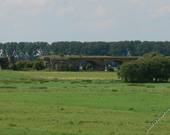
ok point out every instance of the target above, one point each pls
(98, 63)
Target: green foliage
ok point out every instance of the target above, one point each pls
(110, 68)
(23, 65)
(152, 67)
(88, 67)
(28, 65)
(69, 67)
(38, 65)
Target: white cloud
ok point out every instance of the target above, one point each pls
(137, 2)
(104, 24)
(23, 3)
(101, 11)
(162, 11)
(65, 11)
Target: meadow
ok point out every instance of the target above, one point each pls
(80, 103)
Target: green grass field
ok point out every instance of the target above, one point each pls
(80, 103)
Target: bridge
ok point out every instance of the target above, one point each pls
(98, 63)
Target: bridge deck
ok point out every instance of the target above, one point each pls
(87, 58)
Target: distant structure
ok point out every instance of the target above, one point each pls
(1, 53)
(38, 53)
(4, 62)
(79, 63)
(128, 53)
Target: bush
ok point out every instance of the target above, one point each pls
(38, 65)
(152, 67)
(69, 67)
(23, 65)
(88, 67)
(28, 65)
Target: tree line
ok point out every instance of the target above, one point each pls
(31, 50)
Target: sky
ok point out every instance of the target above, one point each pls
(84, 20)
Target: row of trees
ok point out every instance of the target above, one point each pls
(152, 67)
(31, 50)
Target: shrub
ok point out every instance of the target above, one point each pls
(69, 67)
(23, 65)
(88, 67)
(152, 67)
(28, 65)
(38, 65)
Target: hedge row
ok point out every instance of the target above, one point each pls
(28, 65)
